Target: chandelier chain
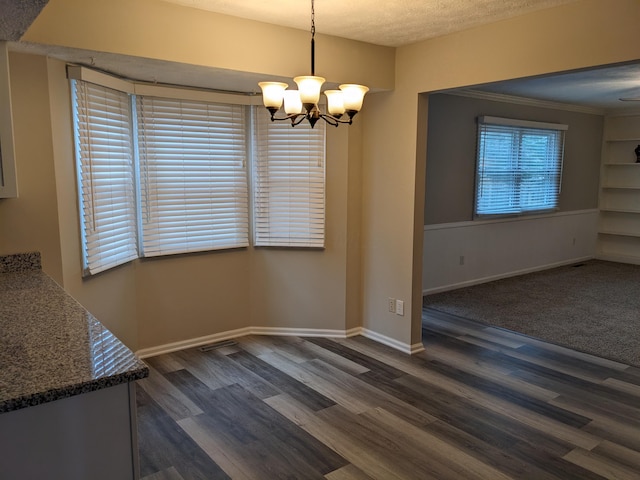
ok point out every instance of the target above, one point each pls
(313, 38)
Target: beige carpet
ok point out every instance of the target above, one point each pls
(593, 307)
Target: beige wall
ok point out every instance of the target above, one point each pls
(183, 297)
(577, 35)
(353, 293)
(389, 190)
(29, 222)
(377, 241)
(157, 301)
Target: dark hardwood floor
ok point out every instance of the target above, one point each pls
(479, 403)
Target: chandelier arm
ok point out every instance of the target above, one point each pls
(298, 118)
(295, 122)
(331, 120)
(291, 117)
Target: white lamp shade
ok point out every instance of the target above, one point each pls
(272, 93)
(292, 102)
(309, 88)
(335, 102)
(353, 96)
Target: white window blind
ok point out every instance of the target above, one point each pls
(519, 166)
(289, 183)
(104, 154)
(193, 181)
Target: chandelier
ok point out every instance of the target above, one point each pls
(303, 103)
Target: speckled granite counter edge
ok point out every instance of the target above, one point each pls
(20, 262)
(25, 262)
(72, 390)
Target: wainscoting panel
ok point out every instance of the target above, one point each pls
(467, 253)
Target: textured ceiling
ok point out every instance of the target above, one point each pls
(17, 15)
(390, 22)
(387, 22)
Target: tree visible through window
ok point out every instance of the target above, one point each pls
(519, 166)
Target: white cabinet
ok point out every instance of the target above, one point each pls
(91, 436)
(619, 225)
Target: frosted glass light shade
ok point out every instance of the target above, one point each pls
(335, 102)
(353, 96)
(309, 88)
(272, 93)
(292, 102)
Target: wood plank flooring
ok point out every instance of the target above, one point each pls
(479, 403)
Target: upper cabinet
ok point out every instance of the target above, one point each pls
(619, 228)
(8, 183)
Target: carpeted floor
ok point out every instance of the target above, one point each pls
(593, 307)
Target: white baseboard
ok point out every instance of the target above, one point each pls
(392, 342)
(193, 342)
(478, 281)
(298, 332)
(304, 332)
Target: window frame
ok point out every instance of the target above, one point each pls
(517, 130)
(215, 175)
(106, 241)
(288, 174)
(135, 90)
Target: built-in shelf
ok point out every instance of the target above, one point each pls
(619, 220)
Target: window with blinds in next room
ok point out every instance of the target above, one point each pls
(519, 166)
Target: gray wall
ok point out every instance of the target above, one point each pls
(451, 154)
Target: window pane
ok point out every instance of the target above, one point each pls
(518, 169)
(192, 175)
(289, 183)
(104, 154)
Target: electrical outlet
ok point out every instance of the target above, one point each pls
(392, 304)
(461, 259)
(399, 307)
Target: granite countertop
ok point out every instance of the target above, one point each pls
(50, 346)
